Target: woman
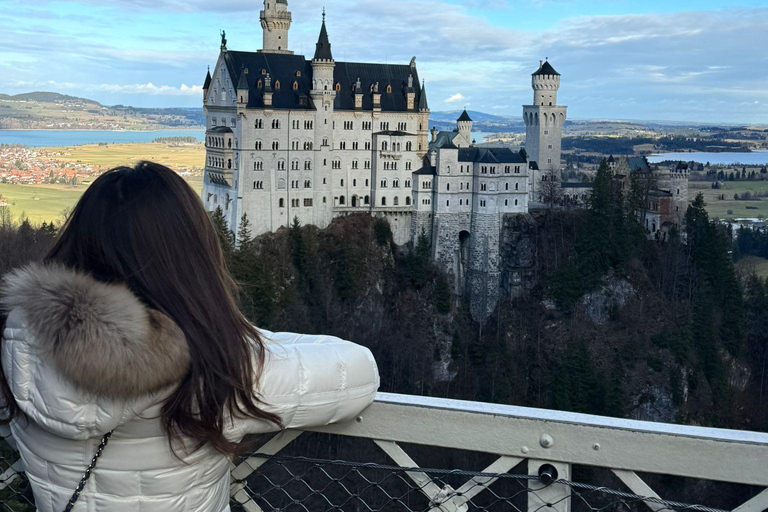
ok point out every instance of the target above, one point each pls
(131, 325)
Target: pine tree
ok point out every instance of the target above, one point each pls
(225, 235)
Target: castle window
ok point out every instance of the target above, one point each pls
(407, 166)
(396, 201)
(506, 186)
(515, 202)
(389, 89)
(229, 163)
(277, 85)
(448, 187)
(281, 184)
(298, 73)
(482, 187)
(407, 183)
(342, 182)
(341, 199)
(275, 145)
(407, 201)
(383, 201)
(307, 183)
(258, 166)
(396, 183)
(517, 186)
(354, 164)
(258, 184)
(368, 145)
(307, 202)
(258, 84)
(281, 203)
(338, 87)
(506, 202)
(295, 85)
(383, 183)
(258, 124)
(275, 124)
(408, 146)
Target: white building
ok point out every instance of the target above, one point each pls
(289, 137)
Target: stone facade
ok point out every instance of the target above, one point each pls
(544, 121)
(311, 139)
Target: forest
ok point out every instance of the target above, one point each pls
(687, 343)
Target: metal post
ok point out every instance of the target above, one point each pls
(552, 497)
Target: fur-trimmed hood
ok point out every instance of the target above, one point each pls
(98, 336)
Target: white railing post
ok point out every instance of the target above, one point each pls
(552, 497)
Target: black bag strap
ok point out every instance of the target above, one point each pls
(88, 471)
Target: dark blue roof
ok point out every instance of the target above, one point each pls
(546, 69)
(464, 116)
(490, 155)
(286, 68)
(323, 46)
(638, 164)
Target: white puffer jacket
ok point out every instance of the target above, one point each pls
(83, 358)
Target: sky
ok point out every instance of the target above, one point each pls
(666, 60)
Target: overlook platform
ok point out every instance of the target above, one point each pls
(493, 457)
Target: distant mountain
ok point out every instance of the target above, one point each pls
(51, 110)
(446, 120)
(48, 97)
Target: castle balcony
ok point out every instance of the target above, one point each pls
(394, 154)
(413, 453)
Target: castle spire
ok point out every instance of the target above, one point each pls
(323, 47)
(423, 98)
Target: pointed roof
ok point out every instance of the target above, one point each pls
(464, 116)
(242, 84)
(423, 98)
(207, 83)
(546, 69)
(323, 50)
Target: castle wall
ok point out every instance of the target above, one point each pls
(484, 272)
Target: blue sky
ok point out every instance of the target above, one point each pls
(677, 60)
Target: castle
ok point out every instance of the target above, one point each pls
(288, 137)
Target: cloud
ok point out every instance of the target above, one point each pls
(455, 98)
(148, 88)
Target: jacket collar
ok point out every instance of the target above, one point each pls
(98, 336)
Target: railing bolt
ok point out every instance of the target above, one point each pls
(596, 446)
(359, 419)
(547, 474)
(524, 449)
(546, 441)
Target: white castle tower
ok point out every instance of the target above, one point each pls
(275, 22)
(544, 122)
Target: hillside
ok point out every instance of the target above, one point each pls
(54, 111)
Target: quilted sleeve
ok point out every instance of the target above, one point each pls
(311, 380)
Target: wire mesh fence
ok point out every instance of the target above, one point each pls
(15, 492)
(295, 483)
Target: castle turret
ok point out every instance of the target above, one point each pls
(464, 123)
(275, 23)
(206, 84)
(544, 121)
(423, 106)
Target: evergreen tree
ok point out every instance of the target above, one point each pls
(226, 237)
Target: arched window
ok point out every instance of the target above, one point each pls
(282, 203)
(341, 199)
(338, 87)
(389, 89)
(367, 199)
(295, 85)
(383, 201)
(281, 183)
(396, 201)
(258, 84)
(277, 85)
(407, 201)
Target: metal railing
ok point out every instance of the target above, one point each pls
(497, 457)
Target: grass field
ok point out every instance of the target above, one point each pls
(47, 202)
(718, 208)
(112, 155)
(756, 264)
(40, 202)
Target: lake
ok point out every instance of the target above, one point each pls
(753, 158)
(41, 138)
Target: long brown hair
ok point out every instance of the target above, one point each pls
(145, 227)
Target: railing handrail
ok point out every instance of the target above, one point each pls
(562, 437)
(551, 415)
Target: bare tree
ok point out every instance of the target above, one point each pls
(551, 191)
